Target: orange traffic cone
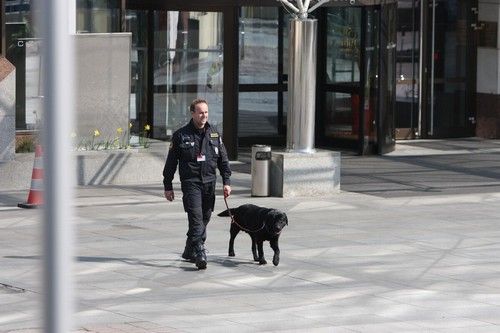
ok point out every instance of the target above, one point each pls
(35, 197)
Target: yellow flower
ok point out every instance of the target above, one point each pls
(147, 127)
(119, 130)
(96, 132)
(73, 134)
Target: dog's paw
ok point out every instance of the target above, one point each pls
(276, 260)
(262, 261)
(231, 253)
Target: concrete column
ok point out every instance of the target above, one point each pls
(302, 86)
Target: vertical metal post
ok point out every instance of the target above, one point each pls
(123, 13)
(58, 218)
(302, 86)
(421, 70)
(433, 63)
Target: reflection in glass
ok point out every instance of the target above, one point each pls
(343, 73)
(258, 45)
(258, 114)
(188, 64)
(407, 58)
(371, 77)
(386, 139)
(98, 16)
(339, 120)
(448, 83)
(135, 21)
(343, 41)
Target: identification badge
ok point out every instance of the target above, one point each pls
(214, 135)
(200, 158)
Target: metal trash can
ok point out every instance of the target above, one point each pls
(261, 162)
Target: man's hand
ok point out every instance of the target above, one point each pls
(227, 191)
(169, 195)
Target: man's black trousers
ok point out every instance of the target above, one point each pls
(199, 201)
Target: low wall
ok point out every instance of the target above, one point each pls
(313, 175)
(105, 167)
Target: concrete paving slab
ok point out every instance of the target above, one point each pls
(409, 245)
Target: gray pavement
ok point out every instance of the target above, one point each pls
(410, 245)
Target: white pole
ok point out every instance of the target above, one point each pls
(59, 171)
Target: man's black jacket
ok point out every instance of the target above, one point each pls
(190, 145)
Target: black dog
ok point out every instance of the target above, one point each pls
(262, 224)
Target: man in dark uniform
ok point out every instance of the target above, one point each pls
(198, 149)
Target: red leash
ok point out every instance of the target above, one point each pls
(229, 211)
(234, 221)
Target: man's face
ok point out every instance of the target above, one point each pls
(200, 115)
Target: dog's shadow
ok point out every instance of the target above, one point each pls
(227, 261)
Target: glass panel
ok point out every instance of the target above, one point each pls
(24, 54)
(407, 60)
(339, 120)
(98, 16)
(372, 70)
(341, 116)
(17, 11)
(188, 64)
(258, 45)
(448, 63)
(343, 41)
(258, 114)
(136, 22)
(286, 30)
(386, 135)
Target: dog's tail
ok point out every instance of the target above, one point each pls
(226, 212)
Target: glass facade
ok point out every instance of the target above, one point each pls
(369, 88)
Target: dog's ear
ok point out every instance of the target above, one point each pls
(224, 213)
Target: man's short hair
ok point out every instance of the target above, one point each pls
(196, 102)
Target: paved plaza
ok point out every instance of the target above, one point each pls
(411, 244)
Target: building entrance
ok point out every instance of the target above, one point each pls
(436, 74)
(237, 58)
(358, 85)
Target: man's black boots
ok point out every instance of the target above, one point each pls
(200, 256)
(188, 253)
